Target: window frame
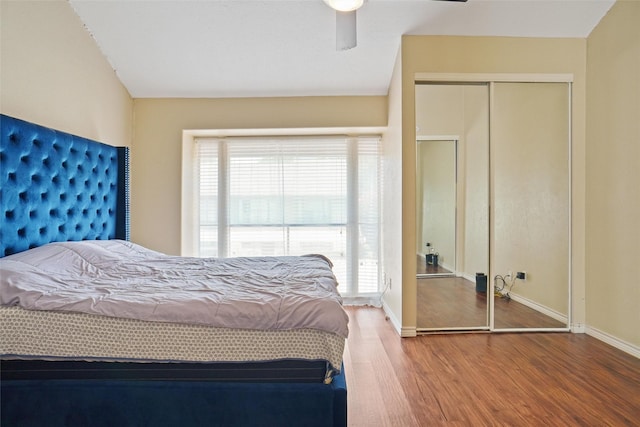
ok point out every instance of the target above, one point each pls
(189, 221)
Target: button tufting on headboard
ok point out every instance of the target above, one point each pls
(58, 187)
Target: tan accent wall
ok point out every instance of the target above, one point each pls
(613, 174)
(54, 74)
(159, 126)
(487, 55)
(393, 207)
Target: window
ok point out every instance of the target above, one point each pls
(271, 196)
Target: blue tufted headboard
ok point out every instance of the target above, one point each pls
(58, 187)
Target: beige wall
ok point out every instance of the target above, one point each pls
(156, 153)
(613, 175)
(435, 54)
(54, 74)
(392, 205)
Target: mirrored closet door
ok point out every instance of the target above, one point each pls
(531, 211)
(493, 211)
(452, 193)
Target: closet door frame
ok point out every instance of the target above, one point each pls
(491, 79)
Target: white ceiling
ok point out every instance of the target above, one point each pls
(251, 48)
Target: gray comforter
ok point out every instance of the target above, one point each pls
(121, 279)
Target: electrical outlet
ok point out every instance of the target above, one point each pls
(389, 282)
(522, 275)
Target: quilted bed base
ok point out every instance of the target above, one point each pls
(172, 403)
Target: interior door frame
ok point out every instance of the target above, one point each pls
(456, 141)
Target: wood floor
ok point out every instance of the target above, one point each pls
(424, 268)
(452, 302)
(481, 379)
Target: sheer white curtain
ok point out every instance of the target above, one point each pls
(269, 196)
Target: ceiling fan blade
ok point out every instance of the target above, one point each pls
(346, 30)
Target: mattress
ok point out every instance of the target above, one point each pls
(59, 336)
(117, 301)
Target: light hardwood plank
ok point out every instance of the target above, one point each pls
(480, 379)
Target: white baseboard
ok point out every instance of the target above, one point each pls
(470, 278)
(540, 308)
(578, 328)
(408, 332)
(405, 332)
(392, 318)
(451, 268)
(632, 349)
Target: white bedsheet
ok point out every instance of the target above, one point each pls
(121, 279)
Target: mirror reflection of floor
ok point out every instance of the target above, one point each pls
(512, 314)
(452, 302)
(424, 268)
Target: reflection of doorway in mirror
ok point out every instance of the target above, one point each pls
(436, 204)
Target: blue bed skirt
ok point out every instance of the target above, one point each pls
(172, 403)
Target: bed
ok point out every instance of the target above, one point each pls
(108, 355)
